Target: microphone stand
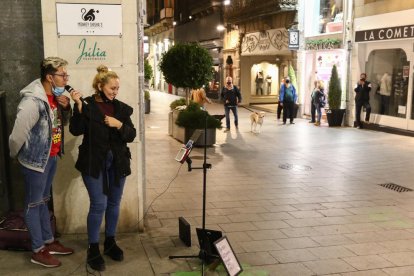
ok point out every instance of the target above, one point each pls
(203, 255)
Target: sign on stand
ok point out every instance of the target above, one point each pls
(227, 256)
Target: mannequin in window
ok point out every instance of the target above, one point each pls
(385, 92)
(259, 82)
(269, 84)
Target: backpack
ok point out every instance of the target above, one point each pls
(288, 96)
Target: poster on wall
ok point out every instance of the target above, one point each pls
(324, 63)
(89, 19)
(87, 51)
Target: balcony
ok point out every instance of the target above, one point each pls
(244, 10)
(162, 24)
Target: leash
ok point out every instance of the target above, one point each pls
(248, 109)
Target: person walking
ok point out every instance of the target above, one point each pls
(288, 99)
(104, 159)
(362, 89)
(319, 100)
(232, 97)
(37, 141)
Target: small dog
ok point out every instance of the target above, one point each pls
(256, 118)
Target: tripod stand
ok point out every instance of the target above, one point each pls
(205, 238)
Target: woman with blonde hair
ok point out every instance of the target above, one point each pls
(104, 159)
(199, 96)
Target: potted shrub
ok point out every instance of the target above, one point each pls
(147, 72)
(147, 101)
(173, 114)
(193, 118)
(334, 113)
(187, 65)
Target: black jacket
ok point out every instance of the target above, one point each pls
(362, 92)
(98, 138)
(233, 96)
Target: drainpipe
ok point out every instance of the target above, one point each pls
(347, 38)
(141, 177)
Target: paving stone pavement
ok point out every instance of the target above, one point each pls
(292, 200)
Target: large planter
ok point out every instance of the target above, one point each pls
(335, 117)
(184, 134)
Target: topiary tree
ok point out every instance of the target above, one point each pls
(186, 65)
(335, 90)
(147, 70)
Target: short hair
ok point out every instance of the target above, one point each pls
(102, 77)
(50, 65)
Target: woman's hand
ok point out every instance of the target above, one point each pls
(112, 122)
(76, 95)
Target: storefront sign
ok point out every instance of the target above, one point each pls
(293, 40)
(265, 43)
(89, 19)
(399, 32)
(91, 51)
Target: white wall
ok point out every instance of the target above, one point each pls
(70, 197)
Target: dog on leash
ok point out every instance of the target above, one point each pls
(256, 118)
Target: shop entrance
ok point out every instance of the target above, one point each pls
(391, 97)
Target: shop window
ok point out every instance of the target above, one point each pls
(328, 17)
(264, 79)
(388, 70)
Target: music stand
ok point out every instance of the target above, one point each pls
(205, 236)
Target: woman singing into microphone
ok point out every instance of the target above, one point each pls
(104, 159)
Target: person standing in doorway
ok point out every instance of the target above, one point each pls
(313, 102)
(319, 100)
(362, 89)
(231, 97)
(37, 141)
(104, 159)
(288, 98)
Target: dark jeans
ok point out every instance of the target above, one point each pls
(101, 204)
(313, 111)
(36, 212)
(227, 112)
(358, 108)
(288, 109)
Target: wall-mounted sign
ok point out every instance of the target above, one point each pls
(91, 51)
(398, 32)
(268, 42)
(88, 19)
(293, 40)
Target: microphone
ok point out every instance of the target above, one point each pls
(70, 89)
